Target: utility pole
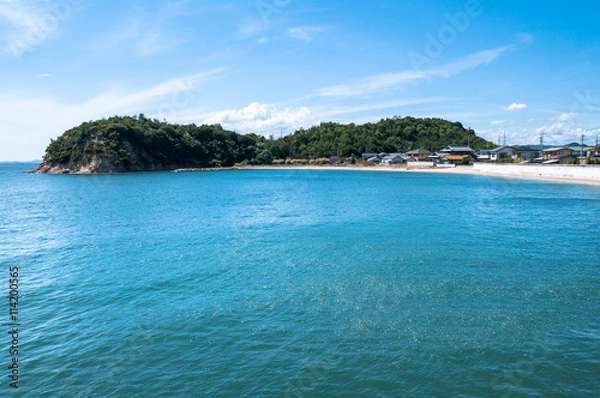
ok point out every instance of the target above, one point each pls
(542, 145)
(581, 157)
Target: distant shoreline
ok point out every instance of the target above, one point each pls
(491, 170)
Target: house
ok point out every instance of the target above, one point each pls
(578, 149)
(527, 153)
(394, 158)
(560, 155)
(484, 155)
(453, 155)
(593, 153)
(456, 159)
(458, 150)
(420, 155)
(502, 152)
(368, 155)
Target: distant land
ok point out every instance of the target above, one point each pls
(126, 144)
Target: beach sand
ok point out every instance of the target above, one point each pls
(442, 170)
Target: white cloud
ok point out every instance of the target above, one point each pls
(29, 24)
(516, 107)
(305, 33)
(564, 128)
(565, 116)
(261, 119)
(370, 84)
(497, 122)
(563, 133)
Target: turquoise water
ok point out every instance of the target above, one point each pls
(300, 283)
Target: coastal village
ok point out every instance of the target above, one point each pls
(454, 155)
(463, 155)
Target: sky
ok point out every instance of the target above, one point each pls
(520, 69)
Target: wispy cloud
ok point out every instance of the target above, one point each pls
(174, 99)
(154, 42)
(29, 24)
(516, 107)
(565, 116)
(328, 112)
(250, 28)
(175, 94)
(370, 84)
(148, 32)
(261, 119)
(305, 33)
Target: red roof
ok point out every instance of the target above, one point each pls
(456, 157)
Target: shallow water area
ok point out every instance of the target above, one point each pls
(302, 283)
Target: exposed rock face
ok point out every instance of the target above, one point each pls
(97, 165)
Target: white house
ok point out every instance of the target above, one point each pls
(502, 152)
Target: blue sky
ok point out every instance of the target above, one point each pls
(520, 68)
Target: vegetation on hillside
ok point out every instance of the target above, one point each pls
(142, 143)
(139, 143)
(387, 135)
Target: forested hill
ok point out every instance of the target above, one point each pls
(387, 135)
(121, 144)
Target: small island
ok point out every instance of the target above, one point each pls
(128, 144)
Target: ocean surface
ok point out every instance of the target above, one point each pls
(300, 283)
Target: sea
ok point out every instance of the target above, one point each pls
(297, 283)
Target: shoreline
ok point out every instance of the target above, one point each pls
(490, 170)
(458, 170)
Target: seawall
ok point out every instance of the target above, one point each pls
(562, 172)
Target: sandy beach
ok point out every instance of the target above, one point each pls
(453, 170)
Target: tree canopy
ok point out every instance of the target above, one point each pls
(143, 143)
(139, 143)
(387, 135)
